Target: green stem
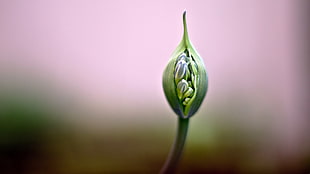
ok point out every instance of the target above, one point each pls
(177, 149)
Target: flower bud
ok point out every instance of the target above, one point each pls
(185, 80)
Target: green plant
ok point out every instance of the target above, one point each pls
(185, 84)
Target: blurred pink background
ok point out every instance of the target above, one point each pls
(108, 56)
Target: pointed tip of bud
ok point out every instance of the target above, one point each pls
(185, 33)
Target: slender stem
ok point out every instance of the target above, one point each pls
(177, 148)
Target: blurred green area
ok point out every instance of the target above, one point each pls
(39, 135)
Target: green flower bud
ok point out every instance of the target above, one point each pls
(185, 80)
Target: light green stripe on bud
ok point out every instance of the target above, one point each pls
(185, 80)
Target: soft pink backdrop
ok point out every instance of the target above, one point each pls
(107, 57)
(99, 47)
(111, 54)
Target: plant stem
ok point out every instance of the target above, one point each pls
(177, 148)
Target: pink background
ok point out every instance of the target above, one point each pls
(109, 56)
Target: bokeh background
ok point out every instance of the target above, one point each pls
(80, 86)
